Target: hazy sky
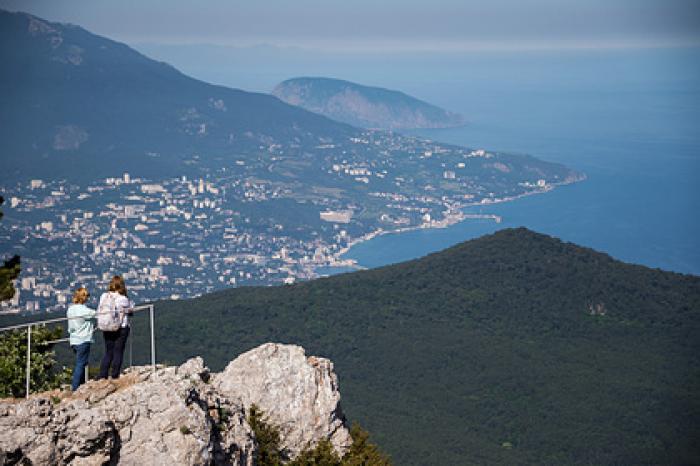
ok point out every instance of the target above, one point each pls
(380, 23)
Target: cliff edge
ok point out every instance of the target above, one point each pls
(179, 415)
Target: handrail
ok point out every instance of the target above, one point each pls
(29, 325)
(141, 307)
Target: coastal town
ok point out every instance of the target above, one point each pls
(251, 222)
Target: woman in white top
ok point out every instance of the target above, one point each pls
(115, 342)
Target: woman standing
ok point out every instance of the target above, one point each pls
(115, 341)
(80, 329)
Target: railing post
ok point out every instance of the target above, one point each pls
(29, 358)
(153, 339)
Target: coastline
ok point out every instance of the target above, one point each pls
(455, 214)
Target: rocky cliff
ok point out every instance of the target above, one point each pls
(179, 415)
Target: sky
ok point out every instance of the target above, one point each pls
(382, 24)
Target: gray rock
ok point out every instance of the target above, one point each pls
(178, 415)
(298, 394)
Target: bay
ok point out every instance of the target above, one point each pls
(627, 118)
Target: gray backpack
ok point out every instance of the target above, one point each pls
(109, 317)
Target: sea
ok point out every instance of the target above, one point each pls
(629, 118)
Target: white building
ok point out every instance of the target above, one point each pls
(152, 188)
(28, 283)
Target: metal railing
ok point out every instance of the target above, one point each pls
(29, 325)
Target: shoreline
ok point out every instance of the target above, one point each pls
(453, 216)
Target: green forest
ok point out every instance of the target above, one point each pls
(514, 348)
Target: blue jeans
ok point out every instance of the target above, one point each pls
(82, 353)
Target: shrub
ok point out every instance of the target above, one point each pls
(13, 362)
(269, 453)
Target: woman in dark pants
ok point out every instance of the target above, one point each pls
(115, 342)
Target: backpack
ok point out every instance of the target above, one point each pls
(109, 318)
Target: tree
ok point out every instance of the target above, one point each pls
(13, 362)
(270, 453)
(8, 272)
(362, 452)
(322, 455)
(267, 437)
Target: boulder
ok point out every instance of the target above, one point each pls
(299, 394)
(178, 415)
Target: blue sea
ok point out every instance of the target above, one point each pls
(628, 119)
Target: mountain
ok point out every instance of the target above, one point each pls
(513, 348)
(72, 99)
(364, 106)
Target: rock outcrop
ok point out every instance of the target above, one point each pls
(179, 415)
(293, 391)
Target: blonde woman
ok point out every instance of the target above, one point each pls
(115, 341)
(80, 329)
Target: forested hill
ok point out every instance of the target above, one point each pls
(514, 348)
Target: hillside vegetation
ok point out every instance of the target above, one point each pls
(515, 348)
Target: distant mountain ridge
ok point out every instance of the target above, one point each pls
(68, 96)
(364, 106)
